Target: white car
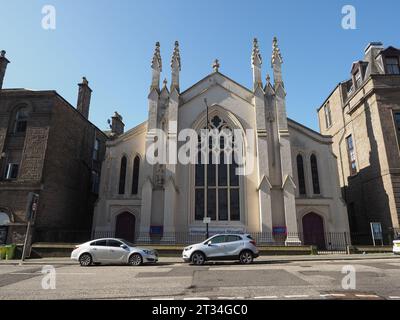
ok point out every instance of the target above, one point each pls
(396, 245)
(112, 251)
(240, 247)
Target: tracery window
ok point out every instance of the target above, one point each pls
(216, 182)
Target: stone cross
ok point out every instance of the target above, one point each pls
(216, 65)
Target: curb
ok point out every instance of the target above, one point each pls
(259, 261)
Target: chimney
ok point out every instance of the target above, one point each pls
(372, 51)
(373, 45)
(117, 126)
(84, 95)
(3, 66)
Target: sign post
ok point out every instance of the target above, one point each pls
(207, 220)
(376, 231)
(31, 209)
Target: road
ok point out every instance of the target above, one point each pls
(265, 280)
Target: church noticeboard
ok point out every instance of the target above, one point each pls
(376, 232)
(279, 230)
(156, 230)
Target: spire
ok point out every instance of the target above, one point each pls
(256, 62)
(156, 66)
(268, 89)
(175, 67)
(255, 54)
(156, 62)
(276, 52)
(276, 62)
(176, 57)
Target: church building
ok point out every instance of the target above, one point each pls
(290, 195)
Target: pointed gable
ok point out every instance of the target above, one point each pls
(216, 79)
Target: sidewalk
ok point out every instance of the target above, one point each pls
(260, 260)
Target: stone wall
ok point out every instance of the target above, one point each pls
(55, 156)
(371, 194)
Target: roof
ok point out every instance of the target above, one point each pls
(24, 91)
(334, 89)
(312, 133)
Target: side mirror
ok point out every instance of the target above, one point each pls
(209, 243)
(123, 246)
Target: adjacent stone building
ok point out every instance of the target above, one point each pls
(49, 147)
(362, 114)
(291, 196)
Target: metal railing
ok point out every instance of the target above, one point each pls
(332, 241)
(324, 242)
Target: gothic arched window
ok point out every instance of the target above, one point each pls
(4, 219)
(300, 174)
(122, 176)
(135, 175)
(217, 184)
(314, 174)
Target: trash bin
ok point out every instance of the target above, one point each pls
(2, 252)
(10, 251)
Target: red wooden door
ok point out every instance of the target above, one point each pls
(313, 230)
(125, 226)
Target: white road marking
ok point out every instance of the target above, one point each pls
(297, 296)
(58, 273)
(366, 296)
(266, 297)
(196, 298)
(394, 297)
(162, 299)
(230, 298)
(333, 295)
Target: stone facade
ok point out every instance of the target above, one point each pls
(364, 109)
(269, 200)
(50, 146)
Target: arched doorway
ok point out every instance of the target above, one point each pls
(125, 226)
(313, 230)
(4, 222)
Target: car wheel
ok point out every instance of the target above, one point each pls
(85, 260)
(135, 259)
(246, 257)
(198, 258)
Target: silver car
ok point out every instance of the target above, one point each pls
(112, 251)
(240, 247)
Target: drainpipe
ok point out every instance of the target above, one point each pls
(340, 144)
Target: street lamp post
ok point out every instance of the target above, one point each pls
(207, 220)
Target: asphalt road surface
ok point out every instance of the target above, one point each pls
(374, 279)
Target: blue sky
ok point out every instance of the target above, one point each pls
(111, 43)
